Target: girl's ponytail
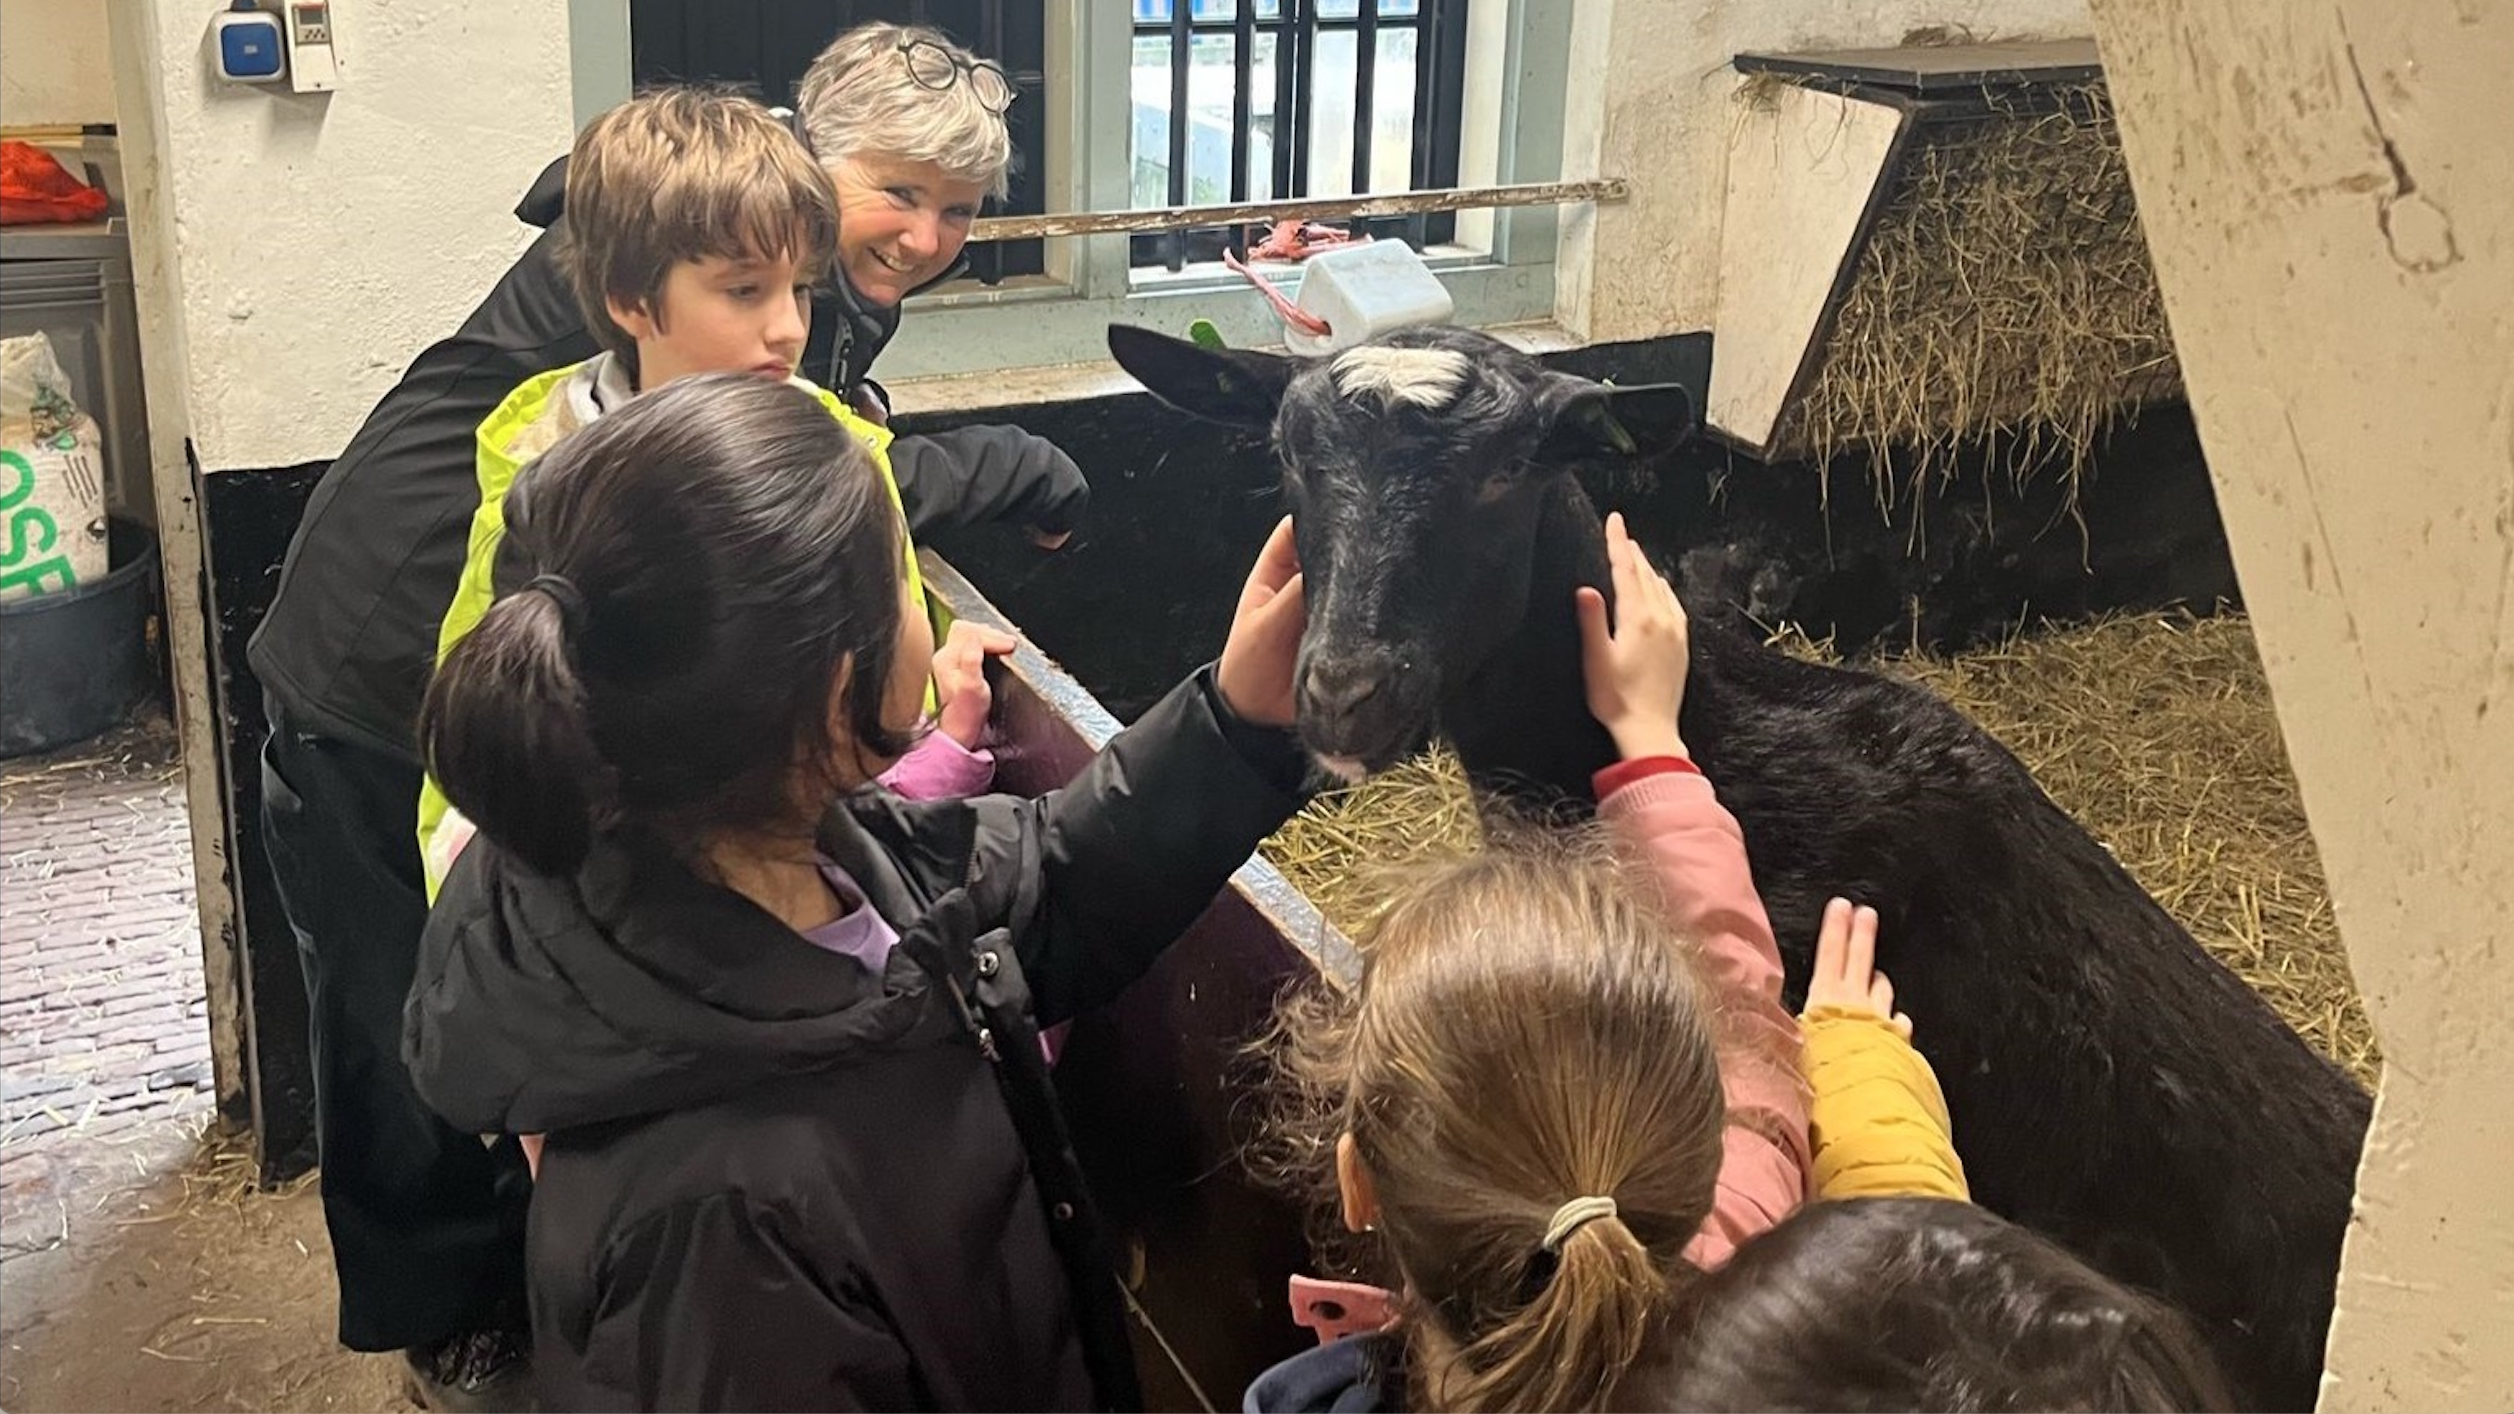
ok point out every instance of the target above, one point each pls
(1530, 1078)
(504, 728)
(1599, 1304)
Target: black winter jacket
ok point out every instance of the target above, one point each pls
(774, 1181)
(351, 637)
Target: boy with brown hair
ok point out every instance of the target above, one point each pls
(697, 227)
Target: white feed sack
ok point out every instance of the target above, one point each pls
(52, 477)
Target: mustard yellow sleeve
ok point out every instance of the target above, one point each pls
(1875, 1115)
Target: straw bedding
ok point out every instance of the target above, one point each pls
(2155, 732)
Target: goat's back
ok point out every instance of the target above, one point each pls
(2111, 1084)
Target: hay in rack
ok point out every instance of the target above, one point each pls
(2154, 732)
(2003, 297)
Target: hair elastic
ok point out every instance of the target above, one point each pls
(1574, 1215)
(564, 593)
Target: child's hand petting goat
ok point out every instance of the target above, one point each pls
(1636, 669)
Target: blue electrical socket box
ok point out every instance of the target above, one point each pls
(250, 48)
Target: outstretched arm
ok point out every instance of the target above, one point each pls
(1138, 845)
(981, 475)
(1875, 1114)
(1659, 801)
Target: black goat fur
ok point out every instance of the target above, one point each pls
(2111, 1085)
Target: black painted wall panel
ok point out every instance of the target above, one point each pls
(249, 517)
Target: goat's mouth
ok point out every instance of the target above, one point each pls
(1348, 769)
(1351, 751)
(1362, 708)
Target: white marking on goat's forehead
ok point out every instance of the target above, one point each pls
(1423, 378)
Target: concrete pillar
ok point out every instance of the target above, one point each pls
(2329, 193)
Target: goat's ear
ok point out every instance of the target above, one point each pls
(1238, 386)
(1591, 420)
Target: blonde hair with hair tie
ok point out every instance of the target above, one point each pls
(1529, 1024)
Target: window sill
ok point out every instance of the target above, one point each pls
(1102, 378)
(968, 293)
(1039, 323)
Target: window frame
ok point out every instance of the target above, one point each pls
(1298, 29)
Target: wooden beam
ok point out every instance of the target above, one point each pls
(1945, 68)
(1188, 218)
(2341, 287)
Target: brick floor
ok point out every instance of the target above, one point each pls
(102, 1019)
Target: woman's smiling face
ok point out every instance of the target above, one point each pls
(900, 224)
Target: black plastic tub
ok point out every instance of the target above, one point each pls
(78, 663)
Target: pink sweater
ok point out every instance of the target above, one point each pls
(939, 768)
(1664, 805)
(1701, 858)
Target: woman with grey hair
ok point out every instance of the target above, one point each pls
(426, 1223)
(911, 129)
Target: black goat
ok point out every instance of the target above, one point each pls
(2111, 1084)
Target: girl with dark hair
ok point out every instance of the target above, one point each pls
(782, 1032)
(1921, 1303)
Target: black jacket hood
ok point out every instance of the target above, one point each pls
(679, 1049)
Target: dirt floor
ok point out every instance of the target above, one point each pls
(143, 1272)
(138, 1268)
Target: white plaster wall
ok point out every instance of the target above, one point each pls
(320, 240)
(290, 253)
(1649, 101)
(54, 63)
(2329, 195)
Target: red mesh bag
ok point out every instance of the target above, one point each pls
(34, 187)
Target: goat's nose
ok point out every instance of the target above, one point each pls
(1335, 686)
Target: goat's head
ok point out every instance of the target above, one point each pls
(1416, 467)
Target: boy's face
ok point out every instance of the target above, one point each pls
(900, 224)
(717, 315)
